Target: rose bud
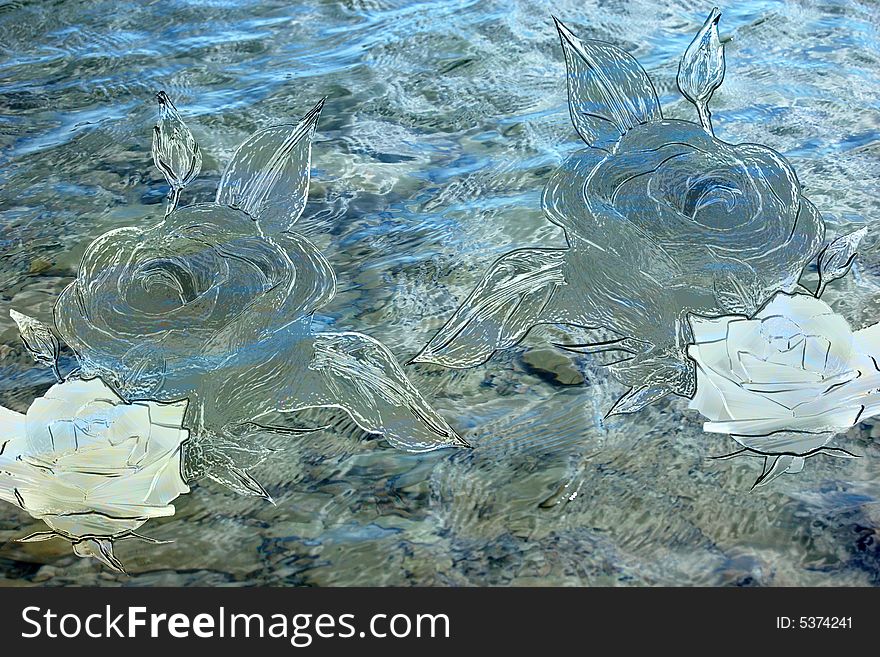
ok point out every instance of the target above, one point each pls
(38, 340)
(175, 150)
(701, 69)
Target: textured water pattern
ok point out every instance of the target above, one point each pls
(443, 124)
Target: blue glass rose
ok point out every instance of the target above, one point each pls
(662, 219)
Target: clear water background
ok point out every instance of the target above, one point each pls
(442, 124)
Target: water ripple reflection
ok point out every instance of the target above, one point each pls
(443, 123)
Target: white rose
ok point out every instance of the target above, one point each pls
(785, 381)
(91, 465)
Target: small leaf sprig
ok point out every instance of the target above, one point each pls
(701, 69)
(39, 340)
(837, 257)
(175, 151)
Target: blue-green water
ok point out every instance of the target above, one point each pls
(442, 124)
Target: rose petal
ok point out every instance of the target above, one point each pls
(721, 399)
(759, 371)
(743, 336)
(12, 442)
(792, 355)
(835, 339)
(167, 483)
(151, 488)
(39, 416)
(867, 341)
(793, 395)
(98, 459)
(712, 356)
(816, 318)
(796, 307)
(708, 398)
(62, 436)
(12, 424)
(711, 329)
(743, 403)
(838, 419)
(166, 414)
(115, 424)
(778, 334)
(859, 391)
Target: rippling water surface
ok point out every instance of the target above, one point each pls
(443, 121)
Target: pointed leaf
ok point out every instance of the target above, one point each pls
(608, 91)
(624, 345)
(500, 311)
(39, 340)
(100, 549)
(38, 537)
(838, 452)
(268, 176)
(241, 481)
(348, 371)
(701, 69)
(175, 151)
(836, 258)
(635, 399)
(358, 374)
(225, 455)
(776, 466)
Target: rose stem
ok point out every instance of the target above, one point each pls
(172, 203)
(705, 116)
